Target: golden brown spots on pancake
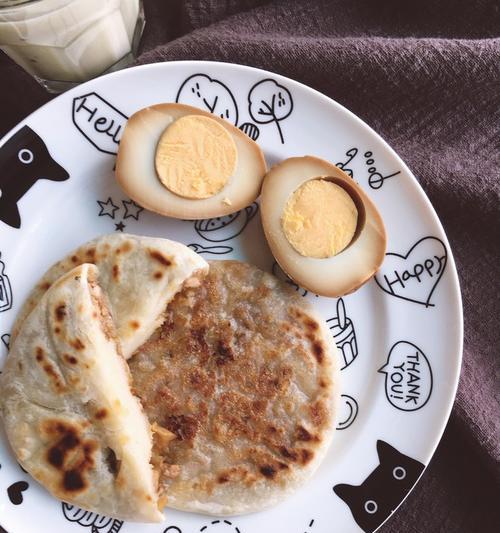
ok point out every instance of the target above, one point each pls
(71, 359)
(311, 324)
(20, 365)
(134, 324)
(116, 272)
(271, 382)
(54, 377)
(259, 406)
(57, 330)
(224, 353)
(60, 312)
(45, 286)
(183, 426)
(322, 383)
(319, 413)
(127, 246)
(90, 253)
(318, 351)
(74, 259)
(157, 256)
(288, 453)
(268, 471)
(101, 413)
(306, 456)
(69, 454)
(158, 275)
(39, 353)
(303, 435)
(77, 344)
(223, 478)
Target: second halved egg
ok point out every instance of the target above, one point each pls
(323, 230)
(183, 162)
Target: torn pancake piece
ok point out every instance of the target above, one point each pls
(140, 275)
(68, 408)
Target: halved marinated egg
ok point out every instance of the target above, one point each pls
(324, 231)
(183, 162)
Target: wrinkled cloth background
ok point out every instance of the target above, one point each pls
(426, 76)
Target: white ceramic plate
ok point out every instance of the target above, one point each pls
(399, 337)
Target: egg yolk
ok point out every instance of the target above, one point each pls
(195, 157)
(319, 219)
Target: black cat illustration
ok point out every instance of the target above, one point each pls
(372, 502)
(24, 159)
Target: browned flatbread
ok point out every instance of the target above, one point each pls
(244, 373)
(68, 409)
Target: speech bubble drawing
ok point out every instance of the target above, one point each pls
(99, 122)
(408, 377)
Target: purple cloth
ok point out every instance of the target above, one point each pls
(426, 76)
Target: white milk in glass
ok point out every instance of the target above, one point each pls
(70, 40)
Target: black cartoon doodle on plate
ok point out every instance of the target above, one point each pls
(282, 276)
(173, 529)
(97, 523)
(15, 492)
(350, 410)
(200, 90)
(414, 276)
(408, 377)
(210, 250)
(24, 159)
(251, 130)
(311, 524)
(270, 102)
(132, 210)
(5, 289)
(375, 178)
(225, 228)
(99, 122)
(220, 526)
(372, 502)
(351, 154)
(2, 530)
(6, 340)
(344, 334)
(107, 208)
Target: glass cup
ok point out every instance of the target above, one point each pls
(65, 42)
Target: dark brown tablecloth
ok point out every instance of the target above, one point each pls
(426, 76)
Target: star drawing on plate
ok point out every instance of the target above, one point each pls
(107, 208)
(132, 210)
(120, 226)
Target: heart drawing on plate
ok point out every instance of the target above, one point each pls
(414, 276)
(15, 492)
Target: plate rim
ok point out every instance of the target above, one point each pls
(325, 100)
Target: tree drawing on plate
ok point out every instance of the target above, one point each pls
(200, 90)
(269, 102)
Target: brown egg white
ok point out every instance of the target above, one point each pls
(324, 231)
(182, 162)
